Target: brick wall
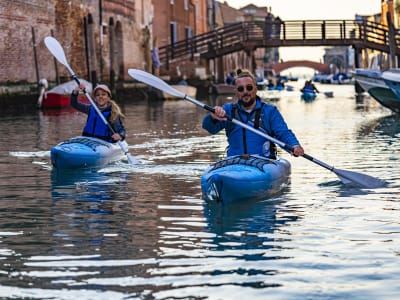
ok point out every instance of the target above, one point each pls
(65, 20)
(16, 49)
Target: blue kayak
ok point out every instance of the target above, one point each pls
(85, 152)
(240, 178)
(308, 95)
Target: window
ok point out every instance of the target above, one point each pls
(188, 32)
(173, 32)
(188, 36)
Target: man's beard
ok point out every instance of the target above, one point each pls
(247, 104)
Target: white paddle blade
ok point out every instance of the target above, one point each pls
(55, 48)
(154, 81)
(362, 180)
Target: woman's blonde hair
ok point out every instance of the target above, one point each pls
(115, 111)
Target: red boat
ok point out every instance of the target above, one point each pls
(59, 96)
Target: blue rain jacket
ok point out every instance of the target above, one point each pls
(271, 121)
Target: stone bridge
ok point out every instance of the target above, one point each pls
(320, 67)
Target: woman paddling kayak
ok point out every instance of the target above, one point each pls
(95, 127)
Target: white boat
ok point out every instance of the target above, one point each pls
(369, 78)
(186, 89)
(224, 89)
(270, 95)
(372, 81)
(392, 80)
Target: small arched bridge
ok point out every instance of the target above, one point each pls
(320, 67)
(248, 36)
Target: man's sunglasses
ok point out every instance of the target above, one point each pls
(249, 88)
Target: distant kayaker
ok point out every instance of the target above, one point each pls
(95, 127)
(250, 109)
(230, 79)
(309, 87)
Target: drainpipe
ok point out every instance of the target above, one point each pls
(85, 33)
(112, 60)
(91, 50)
(35, 54)
(193, 5)
(101, 37)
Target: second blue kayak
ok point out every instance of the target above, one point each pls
(85, 152)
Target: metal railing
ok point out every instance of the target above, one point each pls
(248, 36)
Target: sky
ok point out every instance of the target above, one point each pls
(314, 9)
(311, 10)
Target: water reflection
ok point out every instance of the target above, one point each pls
(387, 125)
(84, 203)
(144, 232)
(98, 185)
(243, 225)
(381, 137)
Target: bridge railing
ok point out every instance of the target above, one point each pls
(251, 35)
(204, 43)
(335, 30)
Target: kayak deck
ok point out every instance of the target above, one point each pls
(84, 152)
(239, 178)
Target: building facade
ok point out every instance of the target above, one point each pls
(101, 39)
(175, 21)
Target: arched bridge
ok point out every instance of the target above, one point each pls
(279, 67)
(248, 36)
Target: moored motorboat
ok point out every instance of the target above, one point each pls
(224, 89)
(373, 82)
(369, 78)
(392, 80)
(270, 95)
(85, 152)
(240, 178)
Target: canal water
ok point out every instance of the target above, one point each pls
(144, 232)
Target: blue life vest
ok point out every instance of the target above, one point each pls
(95, 126)
(251, 142)
(308, 89)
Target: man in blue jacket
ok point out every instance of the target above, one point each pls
(250, 110)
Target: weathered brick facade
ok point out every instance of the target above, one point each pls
(16, 48)
(101, 39)
(75, 24)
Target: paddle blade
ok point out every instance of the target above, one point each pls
(55, 48)
(154, 81)
(359, 179)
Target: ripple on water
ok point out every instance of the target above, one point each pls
(143, 231)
